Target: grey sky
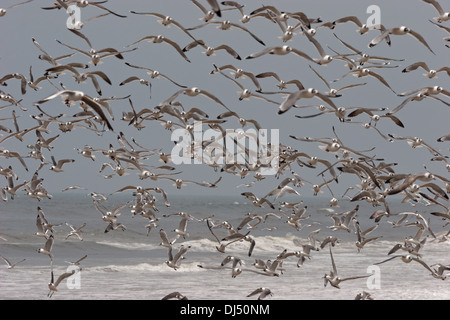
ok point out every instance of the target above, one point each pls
(428, 119)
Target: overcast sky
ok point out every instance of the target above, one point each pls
(428, 119)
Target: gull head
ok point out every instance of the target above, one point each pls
(287, 48)
(437, 89)
(405, 29)
(245, 18)
(82, 3)
(364, 29)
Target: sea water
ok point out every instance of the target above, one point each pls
(130, 264)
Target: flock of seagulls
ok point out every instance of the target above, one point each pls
(377, 181)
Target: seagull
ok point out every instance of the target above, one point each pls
(246, 93)
(375, 117)
(334, 92)
(114, 225)
(430, 90)
(360, 72)
(222, 246)
(324, 58)
(165, 240)
(161, 39)
(416, 142)
(263, 293)
(282, 84)
(181, 230)
(81, 77)
(215, 7)
(140, 80)
(82, 4)
(402, 30)
(69, 97)
(87, 152)
(244, 237)
(12, 265)
(408, 258)
(57, 166)
(292, 98)
(343, 222)
(44, 223)
(47, 247)
(18, 76)
(430, 73)
(193, 92)
(208, 14)
(78, 25)
(365, 57)
(53, 285)
(53, 61)
(417, 97)
(75, 231)
(363, 296)
(443, 16)
(248, 218)
(362, 240)
(228, 25)
(210, 51)
(363, 28)
(333, 277)
(332, 240)
(280, 51)
(174, 295)
(77, 262)
(443, 28)
(41, 232)
(95, 55)
(257, 201)
(165, 21)
(3, 11)
(368, 125)
(239, 73)
(440, 269)
(155, 74)
(243, 122)
(272, 267)
(281, 18)
(175, 261)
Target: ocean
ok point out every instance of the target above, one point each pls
(130, 264)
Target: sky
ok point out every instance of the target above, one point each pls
(428, 119)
